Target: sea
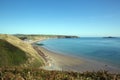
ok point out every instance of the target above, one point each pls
(106, 50)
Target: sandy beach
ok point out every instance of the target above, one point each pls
(55, 61)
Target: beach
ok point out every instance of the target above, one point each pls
(55, 61)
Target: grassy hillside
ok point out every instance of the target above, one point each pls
(11, 55)
(14, 51)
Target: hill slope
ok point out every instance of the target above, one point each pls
(14, 51)
(11, 55)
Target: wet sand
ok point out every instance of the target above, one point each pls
(55, 61)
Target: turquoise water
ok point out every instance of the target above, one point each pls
(101, 49)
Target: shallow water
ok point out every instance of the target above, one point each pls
(105, 50)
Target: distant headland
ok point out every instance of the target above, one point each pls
(110, 37)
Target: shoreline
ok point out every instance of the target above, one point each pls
(55, 61)
(63, 62)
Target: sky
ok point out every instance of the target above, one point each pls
(61, 17)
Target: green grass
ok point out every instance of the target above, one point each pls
(11, 55)
(14, 51)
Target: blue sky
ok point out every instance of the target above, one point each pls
(62, 17)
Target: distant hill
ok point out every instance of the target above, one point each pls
(39, 36)
(15, 52)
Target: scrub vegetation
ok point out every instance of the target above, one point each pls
(17, 73)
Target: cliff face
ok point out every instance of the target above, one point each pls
(17, 52)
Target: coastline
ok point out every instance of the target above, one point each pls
(55, 61)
